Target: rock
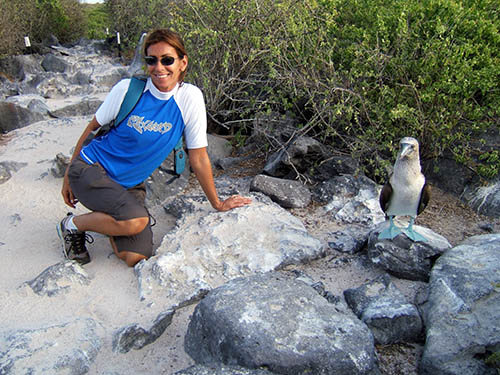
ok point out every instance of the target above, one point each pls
(448, 174)
(230, 185)
(297, 156)
(84, 107)
(335, 166)
(17, 67)
(164, 182)
(275, 321)
(135, 337)
(385, 310)
(50, 40)
(61, 163)
(68, 348)
(271, 128)
(58, 279)
(485, 200)
(32, 102)
(404, 258)
(4, 173)
(137, 65)
(13, 117)
(217, 369)
(208, 248)
(351, 200)
(52, 63)
(7, 167)
(228, 162)
(287, 193)
(462, 312)
(81, 78)
(350, 239)
(218, 148)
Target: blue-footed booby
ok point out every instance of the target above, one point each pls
(406, 193)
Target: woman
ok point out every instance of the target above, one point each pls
(107, 175)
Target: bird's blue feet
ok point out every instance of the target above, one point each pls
(412, 235)
(390, 232)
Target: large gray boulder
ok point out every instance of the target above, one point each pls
(351, 200)
(52, 63)
(386, 311)
(279, 322)
(13, 116)
(462, 315)
(32, 102)
(403, 257)
(208, 248)
(287, 193)
(484, 199)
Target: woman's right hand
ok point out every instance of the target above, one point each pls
(67, 193)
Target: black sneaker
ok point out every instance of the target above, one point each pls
(73, 242)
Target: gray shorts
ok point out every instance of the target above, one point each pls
(95, 190)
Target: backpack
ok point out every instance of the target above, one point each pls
(130, 100)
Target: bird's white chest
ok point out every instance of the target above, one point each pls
(406, 191)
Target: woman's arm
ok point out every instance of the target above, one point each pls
(66, 192)
(200, 163)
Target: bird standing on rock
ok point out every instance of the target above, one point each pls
(406, 193)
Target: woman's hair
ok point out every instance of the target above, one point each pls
(170, 37)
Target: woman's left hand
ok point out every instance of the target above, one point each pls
(232, 202)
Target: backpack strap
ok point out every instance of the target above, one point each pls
(132, 96)
(179, 157)
(134, 93)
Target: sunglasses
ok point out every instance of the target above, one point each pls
(165, 61)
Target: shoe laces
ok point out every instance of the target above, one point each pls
(78, 240)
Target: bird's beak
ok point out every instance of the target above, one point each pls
(405, 149)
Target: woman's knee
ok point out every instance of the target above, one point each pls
(134, 226)
(133, 258)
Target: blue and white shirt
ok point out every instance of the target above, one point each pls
(133, 149)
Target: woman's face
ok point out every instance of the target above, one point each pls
(165, 77)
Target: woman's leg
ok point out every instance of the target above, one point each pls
(117, 212)
(106, 224)
(128, 257)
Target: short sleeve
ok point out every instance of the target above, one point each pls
(192, 106)
(110, 107)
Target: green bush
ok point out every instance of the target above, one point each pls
(132, 18)
(357, 74)
(98, 20)
(62, 18)
(14, 25)
(38, 19)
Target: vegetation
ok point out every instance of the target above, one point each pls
(98, 20)
(356, 74)
(38, 19)
(494, 361)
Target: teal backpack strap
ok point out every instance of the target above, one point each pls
(134, 93)
(179, 157)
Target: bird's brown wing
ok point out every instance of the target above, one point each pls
(385, 196)
(425, 196)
